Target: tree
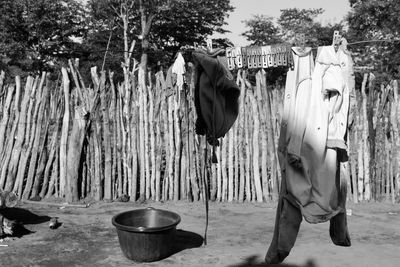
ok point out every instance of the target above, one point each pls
(159, 27)
(376, 20)
(262, 30)
(37, 34)
(293, 21)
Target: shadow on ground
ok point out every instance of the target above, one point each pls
(186, 240)
(22, 217)
(253, 261)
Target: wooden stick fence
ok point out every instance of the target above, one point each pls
(110, 141)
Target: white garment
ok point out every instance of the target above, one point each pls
(297, 96)
(178, 68)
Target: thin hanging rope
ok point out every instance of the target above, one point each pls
(205, 189)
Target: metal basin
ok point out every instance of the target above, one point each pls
(146, 235)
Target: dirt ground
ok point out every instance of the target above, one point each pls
(238, 235)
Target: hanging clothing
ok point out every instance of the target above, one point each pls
(178, 68)
(297, 96)
(311, 147)
(216, 95)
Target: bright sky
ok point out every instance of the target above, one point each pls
(335, 10)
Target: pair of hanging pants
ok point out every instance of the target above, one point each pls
(289, 217)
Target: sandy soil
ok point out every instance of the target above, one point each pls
(238, 235)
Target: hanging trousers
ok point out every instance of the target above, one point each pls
(289, 215)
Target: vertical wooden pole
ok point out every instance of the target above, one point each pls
(178, 143)
(19, 138)
(64, 133)
(152, 130)
(256, 151)
(6, 116)
(366, 155)
(106, 137)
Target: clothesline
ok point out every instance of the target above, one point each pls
(158, 52)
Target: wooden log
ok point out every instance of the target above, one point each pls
(360, 164)
(64, 133)
(124, 143)
(219, 173)
(193, 170)
(248, 155)
(142, 144)
(366, 154)
(171, 151)
(177, 144)
(113, 127)
(30, 134)
(213, 182)
(119, 144)
(158, 160)
(97, 186)
(75, 144)
(224, 192)
(353, 160)
(41, 165)
(18, 185)
(151, 158)
(106, 137)
(6, 115)
(256, 151)
(6, 155)
(19, 141)
(159, 114)
(396, 135)
(272, 136)
(230, 139)
(2, 77)
(50, 162)
(241, 145)
(164, 114)
(88, 164)
(151, 143)
(134, 153)
(184, 124)
(54, 174)
(261, 103)
(236, 161)
(35, 146)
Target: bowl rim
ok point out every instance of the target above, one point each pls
(145, 229)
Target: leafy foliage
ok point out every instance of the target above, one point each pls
(376, 20)
(176, 23)
(37, 34)
(262, 30)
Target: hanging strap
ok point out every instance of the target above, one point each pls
(214, 156)
(205, 190)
